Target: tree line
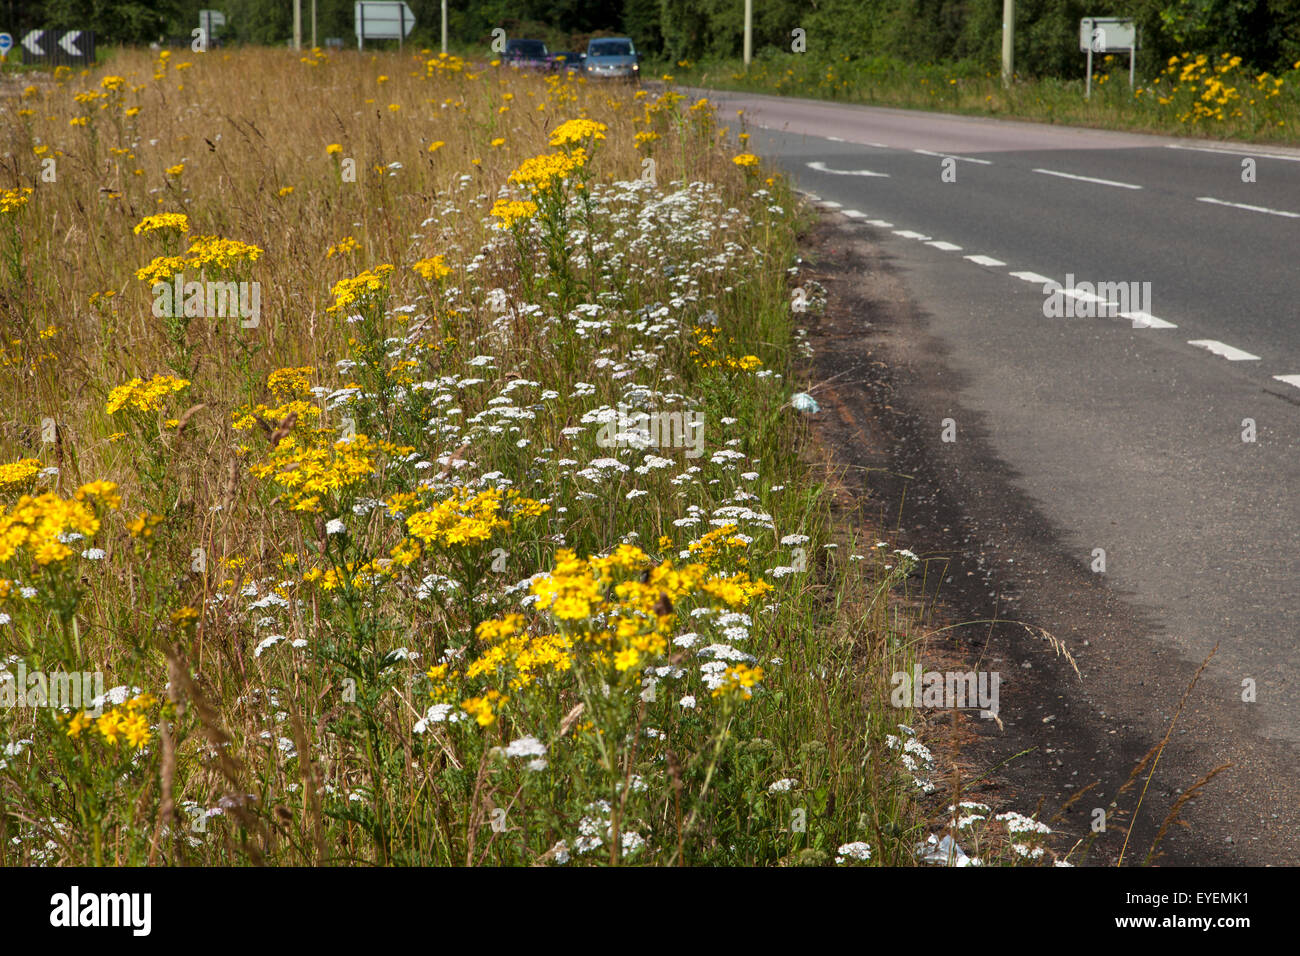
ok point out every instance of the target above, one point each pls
(1265, 33)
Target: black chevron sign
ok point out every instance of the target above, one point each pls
(58, 47)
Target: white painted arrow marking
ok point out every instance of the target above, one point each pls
(32, 42)
(822, 168)
(69, 40)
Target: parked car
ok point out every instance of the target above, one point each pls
(612, 58)
(527, 55)
(567, 61)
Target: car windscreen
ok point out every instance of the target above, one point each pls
(526, 48)
(610, 48)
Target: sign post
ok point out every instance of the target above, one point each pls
(1108, 35)
(383, 20)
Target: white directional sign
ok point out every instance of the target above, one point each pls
(69, 43)
(6, 44)
(1102, 35)
(382, 20)
(1107, 35)
(32, 42)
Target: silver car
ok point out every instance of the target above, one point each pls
(612, 58)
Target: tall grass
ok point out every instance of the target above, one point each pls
(407, 568)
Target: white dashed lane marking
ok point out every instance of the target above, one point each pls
(1225, 351)
(1087, 179)
(821, 167)
(1234, 152)
(1242, 205)
(1033, 277)
(964, 159)
(854, 214)
(880, 223)
(1289, 379)
(944, 246)
(1145, 320)
(909, 234)
(985, 260)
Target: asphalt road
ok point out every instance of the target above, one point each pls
(1118, 433)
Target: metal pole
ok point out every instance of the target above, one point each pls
(444, 26)
(401, 26)
(1132, 58)
(313, 24)
(1087, 84)
(361, 27)
(749, 31)
(1008, 40)
(297, 24)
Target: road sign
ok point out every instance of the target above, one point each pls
(1108, 35)
(6, 44)
(382, 20)
(59, 47)
(210, 21)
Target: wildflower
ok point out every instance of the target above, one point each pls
(19, 472)
(575, 131)
(745, 160)
(738, 680)
(509, 212)
(12, 200)
(434, 267)
(141, 396)
(167, 220)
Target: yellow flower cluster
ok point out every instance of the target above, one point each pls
(444, 63)
(128, 722)
(543, 173)
(12, 200)
(470, 518)
(141, 396)
(306, 473)
(482, 708)
(37, 524)
(745, 160)
(204, 252)
(513, 656)
(509, 212)
(717, 544)
(285, 382)
(435, 267)
(369, 284)
(18, 472)
(166, 220)
(576, 131)
(343, 247)
(738, 681)
(220, 253)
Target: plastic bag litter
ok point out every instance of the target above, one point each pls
(803, 402)
(945, 852)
